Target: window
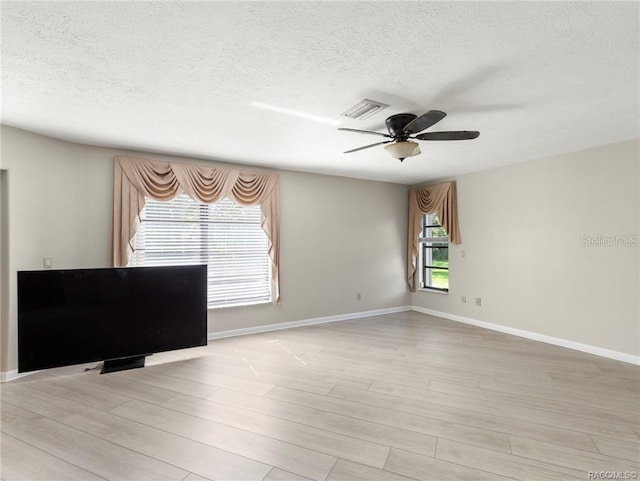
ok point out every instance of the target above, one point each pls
(226, 236)
(434, 254)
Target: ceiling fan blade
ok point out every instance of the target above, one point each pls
(364, 132)
(424, 121)
(452, 135)
(368, 146)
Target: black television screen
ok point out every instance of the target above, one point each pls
(83, 315)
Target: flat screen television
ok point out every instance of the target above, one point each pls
(116, 315)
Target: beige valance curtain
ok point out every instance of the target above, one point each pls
(135, 178)
(439, 199)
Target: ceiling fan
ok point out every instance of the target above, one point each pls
(402, 129)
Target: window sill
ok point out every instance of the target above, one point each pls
(247, 304)
(433, 291)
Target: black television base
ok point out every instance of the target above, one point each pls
(114, 365)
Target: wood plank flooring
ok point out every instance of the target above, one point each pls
(389, 398)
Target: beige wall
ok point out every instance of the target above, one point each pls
(522, 230)
(339, 236)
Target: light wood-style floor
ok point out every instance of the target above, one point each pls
(397, 397)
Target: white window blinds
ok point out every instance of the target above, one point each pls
(226, 236)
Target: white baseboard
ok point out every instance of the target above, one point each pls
(305, 322)
(8, 375)
(11, 375)
(598, 351)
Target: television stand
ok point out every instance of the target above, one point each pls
(114, 365)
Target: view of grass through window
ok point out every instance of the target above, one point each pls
(440, 278)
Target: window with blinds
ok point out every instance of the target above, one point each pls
(434, 254)
(226, 236)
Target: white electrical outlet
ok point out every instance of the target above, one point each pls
(464, 299)
(47, 262)
(463, 254)
(478, 301)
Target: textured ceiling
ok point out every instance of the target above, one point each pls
(535, 79)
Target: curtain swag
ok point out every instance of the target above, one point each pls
(439, 199)
(135, 178)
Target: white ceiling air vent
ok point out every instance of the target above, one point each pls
(364, 109)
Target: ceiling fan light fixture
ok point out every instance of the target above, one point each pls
(403, 149)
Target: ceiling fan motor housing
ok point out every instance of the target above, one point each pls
(396, 124)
